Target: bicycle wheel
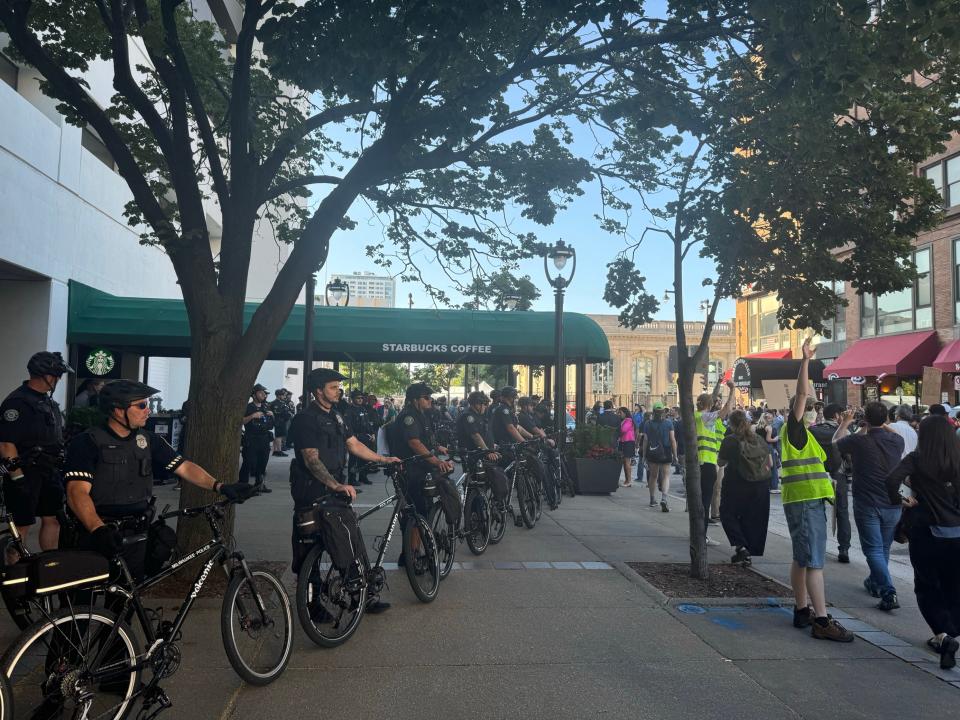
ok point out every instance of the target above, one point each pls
(329, 612)
(420, 558)
(258, 644)
(498, 521)
(536, 483)
(6, 698)
(566, 480)
(477, 522)
(70, 665)
(526, 496)
(446, 538)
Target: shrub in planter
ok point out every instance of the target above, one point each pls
(596, 459)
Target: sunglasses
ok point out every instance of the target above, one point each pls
(142, 405)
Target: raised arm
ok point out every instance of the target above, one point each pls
(803, 381)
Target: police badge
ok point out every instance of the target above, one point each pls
(141, 442)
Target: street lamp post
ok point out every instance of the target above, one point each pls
(559, 254)
(336, 289)
(511, 301)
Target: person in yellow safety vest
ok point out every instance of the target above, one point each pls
(806, 490)
(708, 444)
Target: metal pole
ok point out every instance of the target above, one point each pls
(559, 403)
(311, 290)
(361, 376)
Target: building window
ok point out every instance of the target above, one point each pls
(837, 325)
(901, 310)
(945, 176)
(641, 371)
(603, 378)
(94, 145)
(956, 280)
(763, 330)
(8, 71)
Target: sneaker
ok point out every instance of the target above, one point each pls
(843, 557)
(261, 489)
(741, 557)
(276, 453)
(948, 652)
(713, 521)
(831, 631)
(711, 542)
(868, 586)
(802, 617)
(775, 492)
(653, 503)
(888, 603)
(377, 606)
(664, 507)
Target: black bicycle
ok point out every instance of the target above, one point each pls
(473, 526)
(12, 550)
(331, 602)
(85, 661)
(528, 497)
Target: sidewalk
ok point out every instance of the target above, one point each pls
(551, 624)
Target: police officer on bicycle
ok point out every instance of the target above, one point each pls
(528, 421)
(109, 474)
(31, 429)
(504, 421)
(473, 433)
(321, 440)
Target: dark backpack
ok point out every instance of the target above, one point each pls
(823, 433)
(753, 459)
(658, 442)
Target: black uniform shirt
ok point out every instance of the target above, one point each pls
(500, 419)
(471, 422)
(323, 430)
(29, 419)
(258, 426)
(362, 420)
(410, 425)
(83, 457)
(528, 421)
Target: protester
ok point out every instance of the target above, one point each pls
(875, 452)
(627, 444)
(824, 432)
(932, 522)
(901, 417)
(744, 498)
(766, 431)
(660, 449)
(806, 490)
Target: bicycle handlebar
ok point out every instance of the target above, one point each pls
(212, 508)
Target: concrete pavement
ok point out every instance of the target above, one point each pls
(551, 624)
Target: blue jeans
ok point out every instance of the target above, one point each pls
(775, 471)
(875, 526)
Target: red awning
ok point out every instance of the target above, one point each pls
(894, 355)
(949, 357)
(772, 354)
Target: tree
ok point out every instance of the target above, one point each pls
(491, 289)
(787, 156)
(439, 116)
(439, 376)
(381, 379)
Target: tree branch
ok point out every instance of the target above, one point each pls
(286, 186)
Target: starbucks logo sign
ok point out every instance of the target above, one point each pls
(100, 362)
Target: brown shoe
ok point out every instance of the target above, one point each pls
(831, 631)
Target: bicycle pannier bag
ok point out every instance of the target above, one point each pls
(449, 500)
(341, 537)
(161, 542)
(55, 570)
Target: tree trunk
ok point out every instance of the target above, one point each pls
(695, 514)
(218, 396)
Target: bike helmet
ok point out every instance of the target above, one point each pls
(478, 397)
(508, 392)
(47, 363)
(418, 390)
(257, 388)
(320, 377)
(357, 392)
(120, 393)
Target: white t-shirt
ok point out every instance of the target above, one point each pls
(909, 435)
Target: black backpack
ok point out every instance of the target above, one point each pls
(657, 450)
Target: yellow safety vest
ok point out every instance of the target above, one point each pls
(708, 441)
(802, 474)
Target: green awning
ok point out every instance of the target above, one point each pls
(159, 327)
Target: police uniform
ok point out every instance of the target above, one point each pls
(411, 424)
(327, 433)
(363, 423)
(470, 423)
(255, 446)
(501, 418)
(120, 471)
(32, 420)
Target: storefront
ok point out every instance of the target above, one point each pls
(948, 361)
(889, 368)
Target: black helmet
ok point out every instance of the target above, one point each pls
(279, 392)
(320, 377)
(418, 390)
(47, 363)
(120, 393)
(508, 392)
(478, 397)
(257, 387)
(357, 392)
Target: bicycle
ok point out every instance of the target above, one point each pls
(22, 610)
(527, 497)
(474, 524)
(86, 661)
(331, 602)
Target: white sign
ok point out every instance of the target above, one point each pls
(858, 380)
(436, 348)
(956, 382)
(833, 376)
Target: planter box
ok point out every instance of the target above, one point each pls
(597, 476)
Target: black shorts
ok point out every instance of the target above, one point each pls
(33, 497)
(628, 449)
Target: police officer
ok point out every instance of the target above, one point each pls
(257, 437)
(503, 419)
(321, 440)
(31, 429)
(283, 412)
(109, 473)
(527, 419)
(412, 434)
(473, 433)
(363, 422)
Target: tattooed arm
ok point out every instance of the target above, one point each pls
(311, 458)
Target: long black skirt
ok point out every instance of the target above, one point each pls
(745, 513)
